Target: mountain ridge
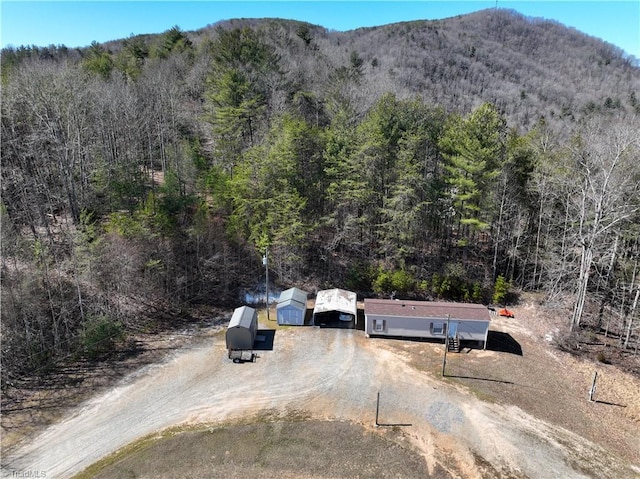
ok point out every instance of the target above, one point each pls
(531, 68)
(495, 55)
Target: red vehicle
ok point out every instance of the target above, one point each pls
(506, 313)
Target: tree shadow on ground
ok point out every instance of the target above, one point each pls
(503, 343)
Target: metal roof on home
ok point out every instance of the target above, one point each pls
(336, 300)
(426, 309)
(293, 296)
(242, 317)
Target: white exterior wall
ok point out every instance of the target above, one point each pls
(419, 327)
(411, 327)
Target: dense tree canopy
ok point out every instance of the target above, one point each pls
(145, 176)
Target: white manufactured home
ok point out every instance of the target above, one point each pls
(427, 319)
(292, 307)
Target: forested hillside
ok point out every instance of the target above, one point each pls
(460, 159)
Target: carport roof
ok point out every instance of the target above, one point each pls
(426, 309)
(336, 300)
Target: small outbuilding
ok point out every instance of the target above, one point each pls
(335, 303)
(242, 329)
(292, 307)
(427, 319)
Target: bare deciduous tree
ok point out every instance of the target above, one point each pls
(604, 180)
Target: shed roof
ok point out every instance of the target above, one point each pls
(293, 296)
(427, 309)
(336, 300)
(242, 317)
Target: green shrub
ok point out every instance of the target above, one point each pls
(500, 290)
(399, 281)
(360, 277)
(445, 288)
(403, 282)
(435, 284)
(466, 294)
(453, 286)
(476, 295)
(100, 335)
(383, 283)
(125, 225)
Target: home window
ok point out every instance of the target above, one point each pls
(437, 328)
(378, 325)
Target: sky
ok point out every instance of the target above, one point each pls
(78, 23)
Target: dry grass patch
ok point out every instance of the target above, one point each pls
(266, 449)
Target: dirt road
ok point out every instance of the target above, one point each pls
(326, 374)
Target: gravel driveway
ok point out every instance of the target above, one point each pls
(325, 373)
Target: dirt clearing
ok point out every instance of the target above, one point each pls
(496, 415)
(546, 383)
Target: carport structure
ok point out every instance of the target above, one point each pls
(334, 304)
(427, 319)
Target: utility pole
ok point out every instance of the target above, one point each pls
(592, 391)
(446, 345)
(265, 262)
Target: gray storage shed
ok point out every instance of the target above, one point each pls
(292, 307)
(242, 329)
(427, 319)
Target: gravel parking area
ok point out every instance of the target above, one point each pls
(323, 375)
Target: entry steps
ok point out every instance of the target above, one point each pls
(453, 344)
